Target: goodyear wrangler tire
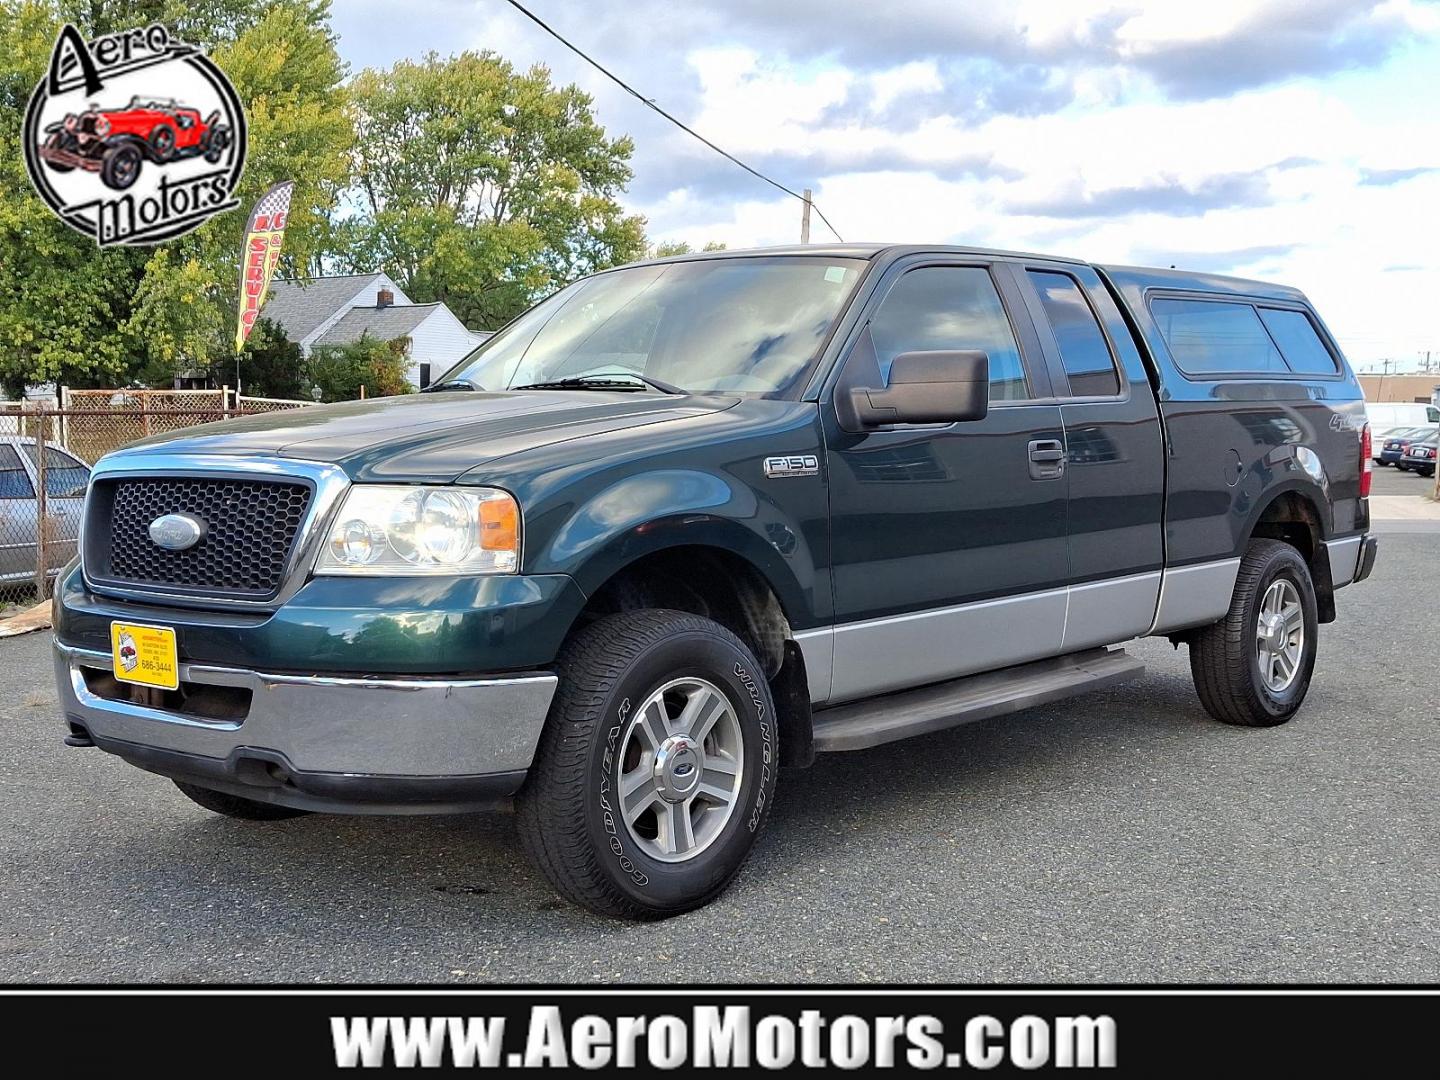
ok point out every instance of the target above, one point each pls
(1253, 667)
(656, 768)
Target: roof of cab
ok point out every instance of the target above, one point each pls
(1139, 277)
(858, 251)
(1144, 277)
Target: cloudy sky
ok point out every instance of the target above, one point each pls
(1297, 140)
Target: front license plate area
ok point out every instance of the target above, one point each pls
(145, 655)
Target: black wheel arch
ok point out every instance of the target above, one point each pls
(719, 584)
(129, 140)
(1300, 515)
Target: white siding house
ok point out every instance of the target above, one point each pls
(437, 338)
(342, 309)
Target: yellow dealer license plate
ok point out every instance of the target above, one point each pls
(145, 655)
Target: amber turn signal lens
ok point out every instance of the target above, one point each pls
(499, 525)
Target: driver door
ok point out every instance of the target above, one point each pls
(949, 548)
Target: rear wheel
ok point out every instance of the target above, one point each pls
(236, 807)
(1253, 667)
(656, 768)
(162, 142)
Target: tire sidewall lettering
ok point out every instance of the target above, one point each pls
(767, 753)
(607, 811)
(630, 862)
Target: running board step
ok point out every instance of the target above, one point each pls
(976, 697)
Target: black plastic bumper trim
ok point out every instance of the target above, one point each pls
(1368, 551)
(267, 776)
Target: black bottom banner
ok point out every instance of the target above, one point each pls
(657, 1031)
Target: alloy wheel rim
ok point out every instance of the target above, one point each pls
(679, 769)
(1280, 636)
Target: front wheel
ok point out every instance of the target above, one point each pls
(120, 166)
(58, 142)
(1253, 667)
(656, 767)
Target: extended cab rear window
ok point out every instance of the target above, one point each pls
(1299, 343)
(1214, 337)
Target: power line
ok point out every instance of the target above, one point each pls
(649, 104)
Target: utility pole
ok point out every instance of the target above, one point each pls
(805, 219)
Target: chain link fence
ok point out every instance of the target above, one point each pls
(45, 456)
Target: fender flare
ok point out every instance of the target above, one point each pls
(664, 509)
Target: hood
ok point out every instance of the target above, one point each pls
(431, 438)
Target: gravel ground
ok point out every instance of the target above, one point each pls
(1121, 837)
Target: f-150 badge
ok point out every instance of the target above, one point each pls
(792, 465)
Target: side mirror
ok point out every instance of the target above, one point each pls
(928, 388)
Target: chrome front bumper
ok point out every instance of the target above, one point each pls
(377, 745)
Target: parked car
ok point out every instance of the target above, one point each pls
(65, 480)
(1389, 418)
(115, 142)
(690, 520)
(1394, 444)
(1420, 456)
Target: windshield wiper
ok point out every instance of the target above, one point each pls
(603, 382)
(449, 384)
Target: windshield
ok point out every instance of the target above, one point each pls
(716, 325)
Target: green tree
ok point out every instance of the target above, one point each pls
(379, 366)
(666, 248)
(482, 186)
(92, 316)
(273, 365)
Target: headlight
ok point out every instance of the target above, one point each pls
(102, 126)
(393, 529)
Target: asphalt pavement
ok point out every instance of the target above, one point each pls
(1123, 836)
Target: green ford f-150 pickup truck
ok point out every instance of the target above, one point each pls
(690, 520)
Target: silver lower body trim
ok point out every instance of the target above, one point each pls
(1194, 595)
(1344, 556)
(1111, 611)
(877, 656)
(894, 653)
(395, 727)
(818, 649)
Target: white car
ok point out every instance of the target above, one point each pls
(1392, 417)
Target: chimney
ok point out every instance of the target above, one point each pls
(384, 298)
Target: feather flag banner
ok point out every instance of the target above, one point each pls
(260, 254)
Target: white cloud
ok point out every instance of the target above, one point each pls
(1291, 154)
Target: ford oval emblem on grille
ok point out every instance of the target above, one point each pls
(176, 532)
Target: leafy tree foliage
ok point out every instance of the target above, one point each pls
(88, 316)
(667, 248)
(482, 186)
(341, 370)
(273, 367)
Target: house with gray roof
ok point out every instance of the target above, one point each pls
(341, 309)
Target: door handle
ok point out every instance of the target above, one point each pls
(1047, 459)
(1046, 450)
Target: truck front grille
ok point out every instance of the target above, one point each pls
(251, 528)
